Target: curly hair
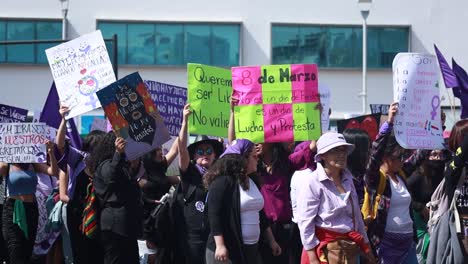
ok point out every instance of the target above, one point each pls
(231, 165)
(91, 140)
(104, 150)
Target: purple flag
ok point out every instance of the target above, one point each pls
(450, 79)
(51, 116)
(457, 79)
(462, 90)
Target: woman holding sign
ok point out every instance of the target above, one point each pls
(118, 194)
(190, 195)
(20, 211)
(391, 229)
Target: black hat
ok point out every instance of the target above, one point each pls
(218, 147)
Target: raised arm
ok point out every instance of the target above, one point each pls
(52, 169)
(63, 186)
(372, 175)
(172, 154)
(184, 157)
(62, 130)
(232, 127)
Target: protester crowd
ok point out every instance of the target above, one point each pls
(345, 198)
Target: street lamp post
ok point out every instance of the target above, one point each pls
(64, 4)
(364, 6)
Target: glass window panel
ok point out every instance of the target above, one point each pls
(312, 46)
(357, 47)
(110, 51)
(285, 42)
(339, 43)
(46, 30)
(2, 38)
(197, 44)
(20, 30)
(108, 30)
(390, 41)
(141, 47)
(169, 44)
(225, 45)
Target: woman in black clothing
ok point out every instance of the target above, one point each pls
(235, 208)
(154, 184)
(119, 200)
(189, 203)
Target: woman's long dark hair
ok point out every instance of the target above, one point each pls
(231, 165)
(103, 150)
(91, 140)
(357, 160)
(279, 158)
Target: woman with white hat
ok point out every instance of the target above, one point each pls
(328, 215)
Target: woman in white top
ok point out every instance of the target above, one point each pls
(235, 208)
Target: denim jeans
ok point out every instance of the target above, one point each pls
(19, 246)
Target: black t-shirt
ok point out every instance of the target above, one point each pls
(190, 203)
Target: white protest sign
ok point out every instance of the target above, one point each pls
(418, 123)
(325, 98)
(24, 142)
(80, 68)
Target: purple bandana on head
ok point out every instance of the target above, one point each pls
(238, 146)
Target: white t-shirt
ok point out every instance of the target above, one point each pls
(398, 218)
(297, 181)
(251, 202)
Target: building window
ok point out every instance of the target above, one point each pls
(174, 43)
(16, 29)
(337, 46)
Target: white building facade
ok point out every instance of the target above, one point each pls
(157, 38)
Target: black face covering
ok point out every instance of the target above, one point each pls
(434, 169)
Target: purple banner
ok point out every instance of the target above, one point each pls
(170, 101)
(11, 114)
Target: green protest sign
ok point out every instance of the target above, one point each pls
(209, 93)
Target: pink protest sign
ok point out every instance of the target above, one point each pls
(277, 103)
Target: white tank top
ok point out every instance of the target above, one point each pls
(398, 218)
(251, 202)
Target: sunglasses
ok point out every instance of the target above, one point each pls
(201, 152)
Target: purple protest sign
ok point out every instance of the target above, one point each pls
(170, 100)
(11, 114)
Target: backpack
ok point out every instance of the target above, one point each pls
(445, 246)
(159, 222)
(440, 202)
(369, 207)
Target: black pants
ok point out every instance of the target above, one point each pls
(296, 245)
(282, 234)
(119, 249)
(190, 249)
(85, 250)
(3, 248)
(19, 246)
